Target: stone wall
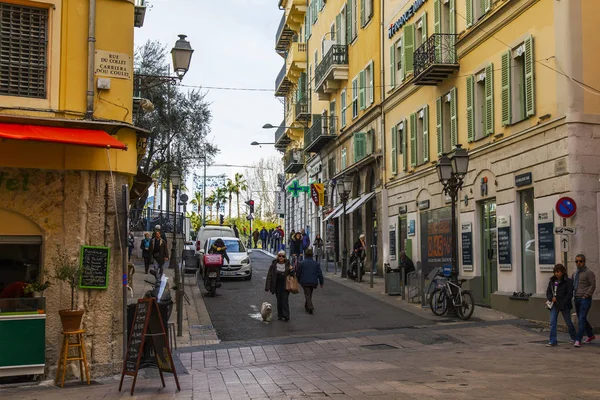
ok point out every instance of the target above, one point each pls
(75, 208)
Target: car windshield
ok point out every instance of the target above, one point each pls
(233, 246)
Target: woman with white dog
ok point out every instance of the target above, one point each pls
(279, 270)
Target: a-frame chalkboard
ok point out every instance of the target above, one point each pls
(148, 329)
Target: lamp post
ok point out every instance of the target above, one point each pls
(451, 172)
(344, 188)
(255, 143)
(175, 180)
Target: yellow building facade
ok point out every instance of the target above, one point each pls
(513, 83)
(67, 145)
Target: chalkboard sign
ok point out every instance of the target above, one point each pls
(136, 336)
(392, 242)
(95, 261)
(159, 341)
(467, 246)
(504, 249)
(547, 254)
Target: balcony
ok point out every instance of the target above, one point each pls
(302, 112)
(435, 60)
(295, 61)
(139, 14)
(281, 138)
(294, 13)
(284, 36)
(322, 131)
(293, 161)
(282, 83)
(331, 71)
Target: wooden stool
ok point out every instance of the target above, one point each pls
(64, 356)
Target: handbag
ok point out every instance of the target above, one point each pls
(291, 284)
(550, 304)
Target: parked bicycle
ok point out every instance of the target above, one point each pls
(462, 300)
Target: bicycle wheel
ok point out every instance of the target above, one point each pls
(465, 310)
(438, 302)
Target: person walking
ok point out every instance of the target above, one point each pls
(408, 264)
(236, 232)
(278, 273)
(263, 238)
(560, 293)
(296, 247)
(305, 240)
(158, 249)
(584, 285)
(145, 246)
(130, 245)
(318, 247)
(309, 275)
(255, 236)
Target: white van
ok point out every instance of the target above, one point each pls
(208, 231)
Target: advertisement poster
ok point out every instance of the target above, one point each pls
(436, 238)
(467, 246)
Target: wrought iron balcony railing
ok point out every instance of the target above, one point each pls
(293, 161)
(435, 59)
(302, 113)
(284, 35)
(322, 131)
(337, 55)
(282, 84)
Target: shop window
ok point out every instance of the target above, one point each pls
(446, 122)
(23, 65)
(419, 137)
(528, 255)
(518, 101)
(19, 265)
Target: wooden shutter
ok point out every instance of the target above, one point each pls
(371, 83)
(394, 150)
(306, 28)
(505, 89)
(489, 99)
(438, 125)
(470, 109)
(424, 28)
(529, 81)
(393, 65)
(469, 13)
(360, 146)
(453, 118)
(408, 45)
(452, 16)
(404, 145)
(437, 16)
(403, 60)
(426, 134)
(338, 29)
(363, 19)
(349, 21)
(413, 139)
(361, 91)
(487, 5)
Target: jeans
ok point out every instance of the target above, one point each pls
(308, 292)
(582, 307)
(566, 313)
(283, 296)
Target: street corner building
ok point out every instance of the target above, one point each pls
(67, 148)
(514, 83)
(332, 127)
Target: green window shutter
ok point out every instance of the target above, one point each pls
(404, 146)
(438, 125)
(487, 5)
(362, 12)
(338, 29)
(470, 109)
(529, 82)
(402, 59)
(426, 134)
(453, 118)
(452, 16)
(394, 151)
(489, 99)
(343, 159)
(469, 13)
(393, 65)
(371, 83)
(358, 146)
(305, 28)
(361, 90)
(413, 140)
(349, 21)
(437, 16)
(505, 92)
(408, 44)
(424, 28)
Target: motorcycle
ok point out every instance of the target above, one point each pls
(357, 263)
(211, 273)
(161, 292)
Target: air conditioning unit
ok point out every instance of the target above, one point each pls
(327, 44)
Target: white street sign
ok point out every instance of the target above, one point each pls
(280, 202)
(564, 230)
(564, 244)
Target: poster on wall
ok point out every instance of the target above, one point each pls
(411, 227)
(392, 242)
(436, 238)
(466, 230)
(547, 252)
(504, 243)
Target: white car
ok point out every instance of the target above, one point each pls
(240, 265)
(209, 231)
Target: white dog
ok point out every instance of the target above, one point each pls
(266, 310)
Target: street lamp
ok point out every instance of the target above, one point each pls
(344, 188)
(176, 180)
(182, 56)
(451, 172)
(255, 143)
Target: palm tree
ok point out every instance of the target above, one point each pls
(230, 187)
(220, 197)
(197, 201)
(240, 184)
(210, 201)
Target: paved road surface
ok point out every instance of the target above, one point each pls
(235, 310)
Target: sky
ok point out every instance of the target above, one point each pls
(234, 46)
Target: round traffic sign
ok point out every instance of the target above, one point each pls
(566, 207)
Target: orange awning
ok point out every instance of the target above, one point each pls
(76, 136)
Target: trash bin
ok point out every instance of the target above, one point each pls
(392, 282)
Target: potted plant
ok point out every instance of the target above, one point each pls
(67, 269)
(37, 288)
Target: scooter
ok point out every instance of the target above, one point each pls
(356, 263)
(211, 273)
(160, 291)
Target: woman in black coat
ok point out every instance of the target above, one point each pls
(560, 293)
(279, 270)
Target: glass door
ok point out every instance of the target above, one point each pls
(489, 246)
(527, 241)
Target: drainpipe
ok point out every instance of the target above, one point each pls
(384, 193)
(89, 113)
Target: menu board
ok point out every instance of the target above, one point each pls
(392, 242)
(547, 253)
(136, 338)
(159, 342)
(467, 246)
(504, 249)
(95, 261)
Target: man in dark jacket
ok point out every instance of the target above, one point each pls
(305, 240)
(255, 236)
(407, 263)
(158, 249)
(296, 245)
(309, 276)
(263, 237)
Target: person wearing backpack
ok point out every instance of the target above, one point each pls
(559, 294)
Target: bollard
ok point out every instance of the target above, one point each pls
(403, 282)
(422, 284)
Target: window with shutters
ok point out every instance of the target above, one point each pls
(398, 68)
(446, 122)
(370, 79)
(518, 92)
(444, 16)
(331, 167)
(480, 104)
(399, 153)
(343, 108)
(419, 137)
(408, 49)
(366, 12)
(341, 31)
(354, 98)
(316, 56)
(343, 160)
(351, 20)
(359, 140)
(23, 51)
(332, 32)
(476, 9)
(421, 31)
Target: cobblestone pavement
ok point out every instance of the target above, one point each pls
(478, 360)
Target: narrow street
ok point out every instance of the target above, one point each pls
(235, 311)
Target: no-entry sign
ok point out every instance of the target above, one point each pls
(566, 207)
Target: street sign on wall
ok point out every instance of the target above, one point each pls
(280, 202)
